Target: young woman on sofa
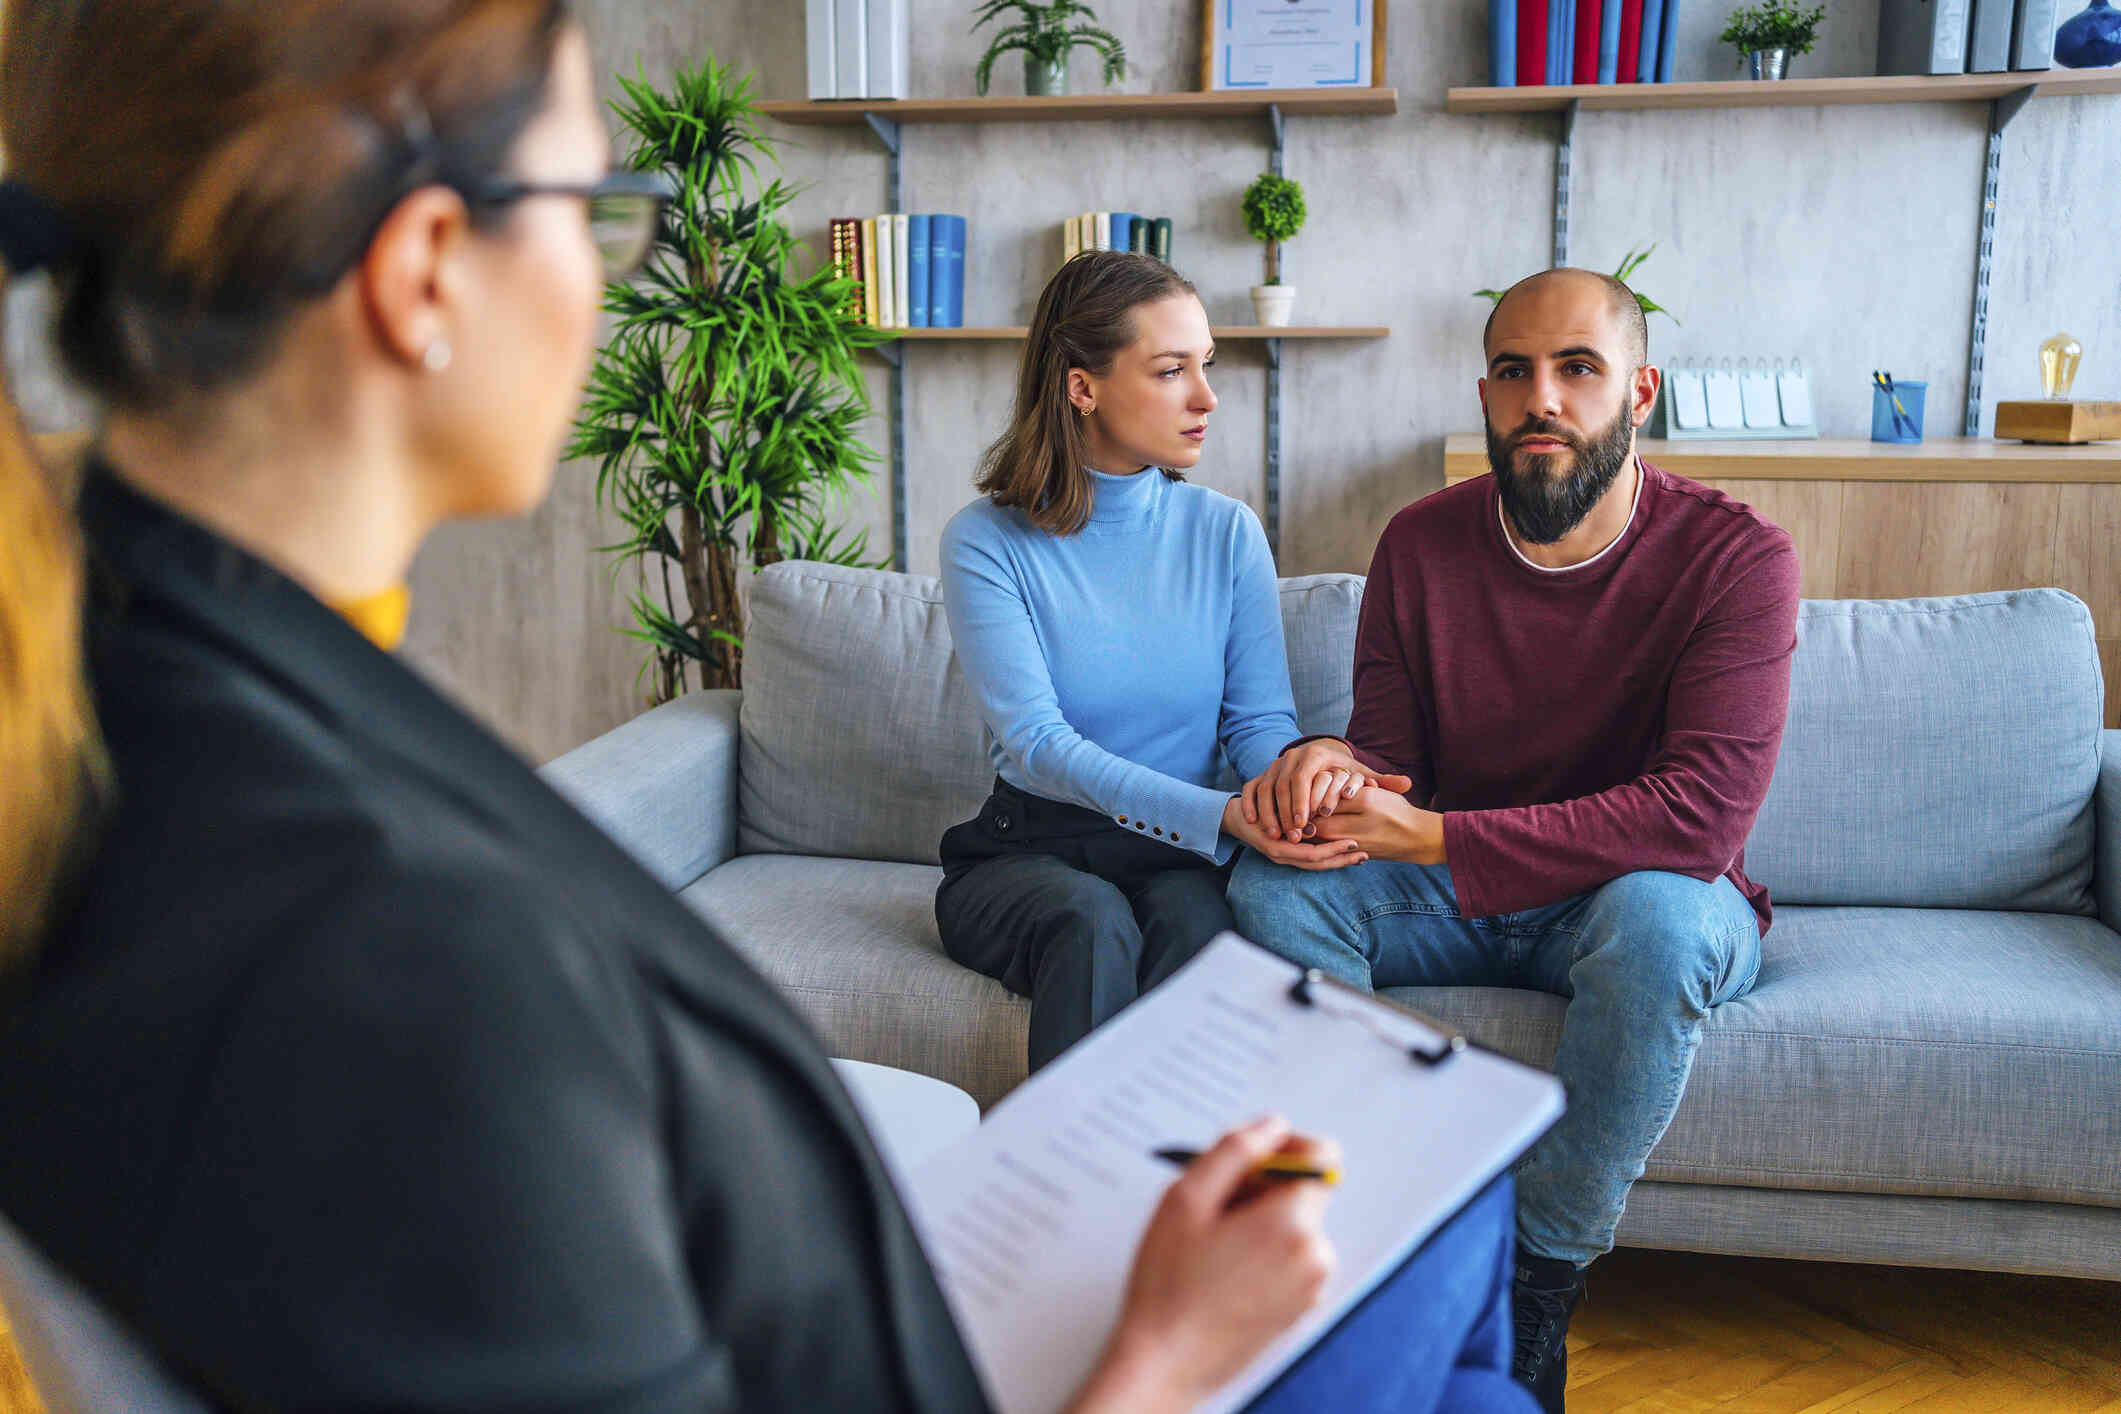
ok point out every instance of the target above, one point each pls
(1121, 629)
(355, 1070)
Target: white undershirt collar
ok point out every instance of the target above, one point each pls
(1503, 521)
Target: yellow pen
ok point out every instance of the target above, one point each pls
(1282, 1168)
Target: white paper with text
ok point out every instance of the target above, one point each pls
(1031, 1221)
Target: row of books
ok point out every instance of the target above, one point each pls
(1116, 230)
(1581, 41)
(908, 269)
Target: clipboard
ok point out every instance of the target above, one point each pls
(1032, 1220)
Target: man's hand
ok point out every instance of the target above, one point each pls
(1301, 854)
(1385, 825)
(1306, 783)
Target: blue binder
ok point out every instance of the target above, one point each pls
(917, 261)
(1502, 43)
(946, 272)
(1609, 43)
(1646, 58)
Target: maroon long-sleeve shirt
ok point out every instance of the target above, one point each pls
(1580, 724)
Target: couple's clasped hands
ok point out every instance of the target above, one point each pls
(1317, 807)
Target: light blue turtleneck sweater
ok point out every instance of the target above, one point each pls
(1119, 668)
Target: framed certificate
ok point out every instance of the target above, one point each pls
(1292, 44)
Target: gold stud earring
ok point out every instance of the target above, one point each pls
(1084, 411)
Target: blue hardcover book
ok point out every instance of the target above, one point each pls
(1123, 229)
(1561, 39)
(917, 254)
(946, 272)
(1652, 21)
(1665, 32)
(1502, 43)
(1609, 43)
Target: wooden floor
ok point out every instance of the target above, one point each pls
(1676, 1332)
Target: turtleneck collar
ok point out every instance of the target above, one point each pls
(1125, 500)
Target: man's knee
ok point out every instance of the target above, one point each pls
(1666, 926)
(1257, 887)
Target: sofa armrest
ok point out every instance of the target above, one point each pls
(663, 785)
(2106, 866)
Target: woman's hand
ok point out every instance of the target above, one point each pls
(1305, 784)
(1227, 1263)
(1301, 854)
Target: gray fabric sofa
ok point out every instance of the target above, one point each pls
(1928, 1070)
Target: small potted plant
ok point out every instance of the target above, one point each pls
(1044, 36)
(1767, 34)
(1274, 212)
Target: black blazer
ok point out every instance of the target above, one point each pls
(366, 1074)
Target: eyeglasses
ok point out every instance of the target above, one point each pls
(625, 210)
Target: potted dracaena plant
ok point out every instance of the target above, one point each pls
(1769, 34)
(1629, 264)
(1044, 35)
(1273, 208)
(722, 413)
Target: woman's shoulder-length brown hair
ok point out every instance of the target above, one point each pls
(1085, 317)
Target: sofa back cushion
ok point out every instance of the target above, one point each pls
(1940, 753)
(860, 737)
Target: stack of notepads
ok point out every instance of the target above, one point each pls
(1581, 41)
(908, 270)
(1116, 230)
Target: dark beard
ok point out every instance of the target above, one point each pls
(1541, 508)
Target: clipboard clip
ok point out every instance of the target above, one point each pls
(1307, 989)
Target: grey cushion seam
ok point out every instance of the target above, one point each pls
(1872, 607)
(1659, 1163)
(872, 994)
(887, 591)
(1901, 1043)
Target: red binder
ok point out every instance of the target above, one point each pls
(1630, 41)
(1587, 30)
(1531, 40)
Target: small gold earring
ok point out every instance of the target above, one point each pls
(1084, 411)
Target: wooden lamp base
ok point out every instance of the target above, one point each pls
(2054, 420)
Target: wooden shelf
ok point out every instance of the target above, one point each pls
(1973, 459)
(1232, 331)
(1783, 93)
(1084, 107)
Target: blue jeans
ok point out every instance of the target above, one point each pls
(1641, 961)
(1434, 1338)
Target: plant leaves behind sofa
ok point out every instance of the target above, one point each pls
(1928, 1069)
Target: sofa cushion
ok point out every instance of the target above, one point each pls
(859, 737)
(849, 678)
(1956, 1053)
(1318, 613)
(853, 943)
(1940, 753)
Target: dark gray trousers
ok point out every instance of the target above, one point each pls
(1071, 909)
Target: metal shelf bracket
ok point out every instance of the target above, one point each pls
(1276, 138)
(2000, 113)
(887, 130)
(1564, 155)
(1273, 348)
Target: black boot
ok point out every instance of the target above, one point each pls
(1544, 1294)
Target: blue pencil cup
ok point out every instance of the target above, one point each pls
(1885, 427)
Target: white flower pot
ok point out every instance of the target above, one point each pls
(1272, 304)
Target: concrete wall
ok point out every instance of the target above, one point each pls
(1843, 235)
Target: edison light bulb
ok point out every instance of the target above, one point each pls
(2059, 357)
